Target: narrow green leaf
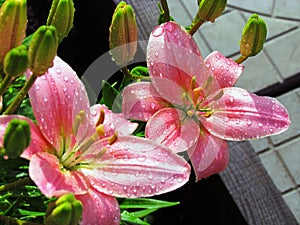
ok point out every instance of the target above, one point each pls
(138, 203)
(109, 94)
(130, 218)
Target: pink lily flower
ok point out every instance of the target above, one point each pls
(191, 104)
(75, 149)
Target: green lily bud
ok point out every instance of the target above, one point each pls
(61, 16)
(13, 21)
(65, 210)
(16, 138)
(209, 10)
(253, 36)
(123, 34)
(16, 62)
(42, 49)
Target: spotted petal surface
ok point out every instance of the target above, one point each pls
(224, 71)
(99, 208)
(209, 156)
(45, 170)
(141, 101)
(135, 167)
(240, 115)
(56, 98)
(112, 121)
(168, 128)
(173, 58)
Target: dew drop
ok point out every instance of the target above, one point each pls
(158, 31)
(45, 99)
(66, 79)
(249, 122)
(150, 176)
(260, 124)
(58, 70)
(141, 158)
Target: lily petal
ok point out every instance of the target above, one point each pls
(168, 128)
(239, 115)
(141, 101)
(56, 98)
(46, 172)
(112, 121)
(173, 59)
(99, 209)
(37, 143)
(210, 155)
(135, 167)
(224, 71)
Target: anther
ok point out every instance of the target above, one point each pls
(193, 83)
(100, 130)
(113, 138)
(78, 120)
(101, 118)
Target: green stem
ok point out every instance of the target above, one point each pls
(5, 83)
(21, 95)
(241, 59)
(195, 26)
(12, 221)
(165, 7)
(127, 73)
(15, 184)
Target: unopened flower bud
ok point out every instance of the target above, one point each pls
(61, 16)
(253, 36)
(16, 62)
(65, 210)
(209, 10)
(42, 49)
(13, 21)
(16, 138)
(123, 34)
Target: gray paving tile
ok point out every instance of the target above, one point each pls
(293, 201)
(224, 35)
(290, 153)
(260, 145)
(258, 6)
(287, 9)
(276, 171)
(292, 102)
(258, 73)
(285, 53)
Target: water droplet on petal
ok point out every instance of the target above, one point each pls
(260, 124)
(158, 31)
(66, 79)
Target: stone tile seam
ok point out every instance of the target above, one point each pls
(283, 145)
(272, 148)
(272, 15)
(279, 75)
(287, 170)
(281, 161)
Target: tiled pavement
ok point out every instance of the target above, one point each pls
(275, 71)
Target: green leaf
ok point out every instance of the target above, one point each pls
(29, 214)
(139, 71)
(109, 93)
(146, 203)
(129, 217)
(143, 213)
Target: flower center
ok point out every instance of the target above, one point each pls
(73, 157)
(195, 102)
